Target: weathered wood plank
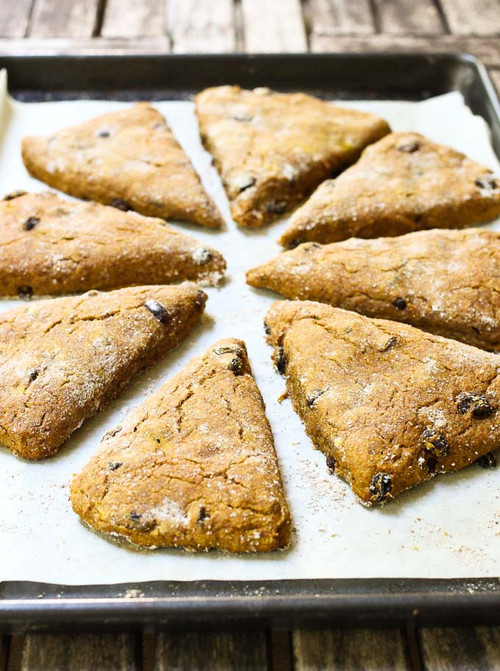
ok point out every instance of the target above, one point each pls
(14, 18)
(80, 652)
(461, 649)
(361, 649)
(63, 18)
(211, 651)
(202, 26)
(477, 17)
(340, 17)
(130, 18)
(408, 17)
(271, 27)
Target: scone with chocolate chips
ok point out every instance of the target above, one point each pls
(388, 404)
(446, 282)
(62, 360)
(194, 466)
(402, 183)
(272, 149)
(129, 159)
(53, 246)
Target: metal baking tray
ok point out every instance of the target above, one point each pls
(35, 606)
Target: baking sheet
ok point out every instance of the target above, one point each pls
(448, 527)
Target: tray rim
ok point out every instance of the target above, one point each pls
(371, 601)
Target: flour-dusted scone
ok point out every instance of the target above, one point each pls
(194, 466)
(403, 183)
(129, 159)
(62, 360)
(446, 282)
(388, 404)
(272, 149)
(54, 246)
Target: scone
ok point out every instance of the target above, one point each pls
(446, 282)
(129, 159)
(53, 246)
(272, 149)
(388, 404)
(402, 183)
(62, 360)
(193, 466)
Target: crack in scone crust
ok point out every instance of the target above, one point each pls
(389, 416)
(194, 466)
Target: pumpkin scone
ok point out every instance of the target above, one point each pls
(129, 159)
(62, 360)
(403, 183)
(443, 281)
(194, 466)
(54, 246)
(389, 405)
(272, 149)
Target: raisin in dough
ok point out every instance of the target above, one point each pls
(62, 360)
(272, 149)
(390, 405)
(194, 466)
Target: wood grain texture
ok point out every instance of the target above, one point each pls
(461, 649)
(211, 651)
(14, 17)
(472, 17)
(339, 17)
(131, 18)
(364, 650)
(408, 17)
(80, 652)
(202, 26)
(273, 27)
(64, 18)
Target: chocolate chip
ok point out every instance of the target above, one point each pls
(138, 523)
(295, 242)
(313, 396)
(435, 442)
(409, 147)
(487, 182)
(226, 350)
(25, 292)
(30, 223)
(157, 310)
(103, 133)
(280, 360)
(120, 204)
(417, 218)
(202, 256)
(14, 194)
(380, 486)
(267, 328)
(488, 460)
(392, 341)
(135, 517)
(236, 365)
(330, 462)
(276, 206)
(244, 183)
(311, 247)
(203, 514)
(475, 403)
(200, 298)
(32, 376)
(115, 465)
(399, 303)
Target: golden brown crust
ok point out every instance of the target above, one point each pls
(53, 246)
(193, 466)
(62, 360)
(445, 282)
(128, 158)
(388, 404)
(271, 149)
(402, 183)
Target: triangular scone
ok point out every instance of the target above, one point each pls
(272, 149)
(194, 466)
(54, 246)
(388, 404)
(62, 360)
(402, 183)
(129, 159)
(446, 282)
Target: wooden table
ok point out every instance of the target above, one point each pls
(188, 26)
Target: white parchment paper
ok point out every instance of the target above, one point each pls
(448, 527)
